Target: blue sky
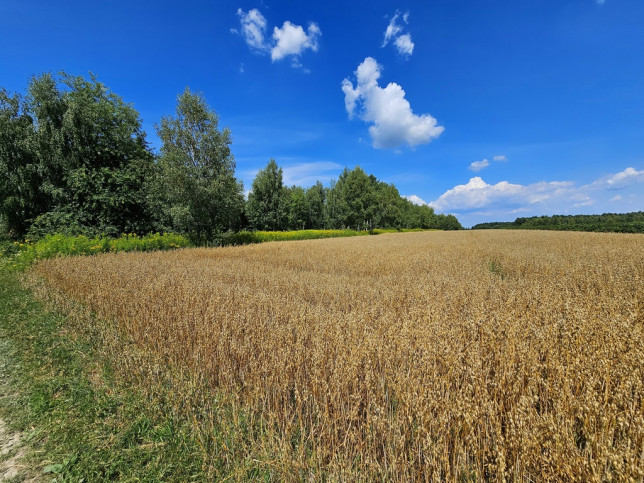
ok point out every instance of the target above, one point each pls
(488, 109)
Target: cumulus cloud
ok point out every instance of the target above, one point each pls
(292, 40)
(476, 194)
(479, 165)
(417, 200)
(404, 44)
(478, 201)
(500, 157)
(289, 41)
(253, 29)
(394, 32)
(393, 121)
(625, 178)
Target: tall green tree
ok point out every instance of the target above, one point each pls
(266, 208)
(335, 203)
(21, 197)
(297, 210)
(76, 159)
(200, 194)
(388, 211)
(315, 200)
(359, 193)
(352, 200)
(448, 222)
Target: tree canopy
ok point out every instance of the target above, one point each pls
(74, 159)
(197, 188)
(356, 200)
(607, 222)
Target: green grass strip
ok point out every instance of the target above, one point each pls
(79, 424)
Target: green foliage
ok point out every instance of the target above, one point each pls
(360, 201)
(496, 268)
(247, 237)
(315, 203)
(80, 423)
(199, 194)
(297, 210)
(267, 202)
(23, 254)
(608, 222)
(74, 159)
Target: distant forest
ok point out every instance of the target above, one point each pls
(608, 222)
(74, 159)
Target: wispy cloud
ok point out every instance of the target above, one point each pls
(393, 122)
(479, 165)
(394, 33)
(306, 174)
(253, 30)
(500, 157)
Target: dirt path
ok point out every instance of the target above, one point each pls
(11, 443)
(10, 453)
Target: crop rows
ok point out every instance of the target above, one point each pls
(418, 356)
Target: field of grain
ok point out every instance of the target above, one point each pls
(433, 356)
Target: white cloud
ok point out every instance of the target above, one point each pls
(253, 29)
(404, 44)
(394, 32)
(500, 157)
(292, 40)
(478, 201)
(393, 122)
(288, 41)
(417, 200)
(476, 194)
(479, 165)
(625, 178)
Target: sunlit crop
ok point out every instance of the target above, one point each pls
(419, 356)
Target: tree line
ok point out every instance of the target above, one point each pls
(607, 222)
(74, 159)
(355, 200)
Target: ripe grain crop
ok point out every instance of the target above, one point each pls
(429, 356)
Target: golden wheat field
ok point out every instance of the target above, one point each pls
(435, 356)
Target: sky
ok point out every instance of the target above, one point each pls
(486, 109)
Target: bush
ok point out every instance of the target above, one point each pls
(65, 245)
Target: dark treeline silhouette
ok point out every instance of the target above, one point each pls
(608, 222)
(74, 159)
